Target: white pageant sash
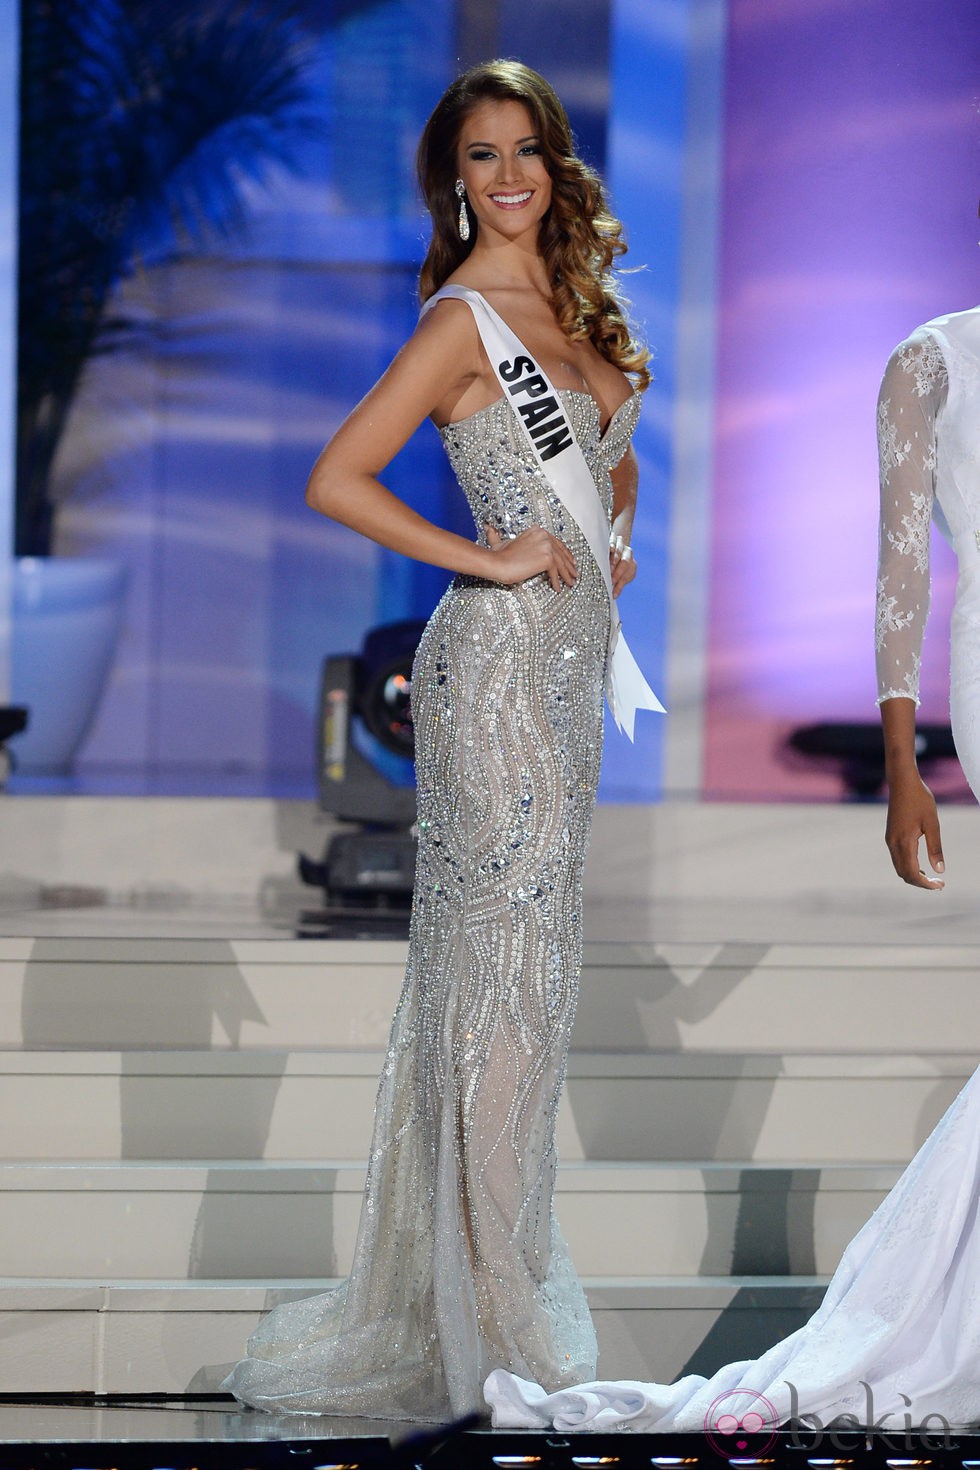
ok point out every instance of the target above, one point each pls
(551, 437)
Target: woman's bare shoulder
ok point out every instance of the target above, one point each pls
(450, 316)
(445, 334)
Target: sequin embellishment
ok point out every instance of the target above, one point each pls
(459, 1265)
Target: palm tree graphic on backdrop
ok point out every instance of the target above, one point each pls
(143, 125)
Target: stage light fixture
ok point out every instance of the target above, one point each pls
(13, 719)
(365, 719)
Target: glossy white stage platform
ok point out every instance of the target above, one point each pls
(770, 1024)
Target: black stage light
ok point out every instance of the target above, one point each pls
(365, 718)
(372, 687)
(13, 719)
(857, 751)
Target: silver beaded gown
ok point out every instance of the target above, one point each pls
(459, 1265)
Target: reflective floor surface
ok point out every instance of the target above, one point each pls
(212, 1421)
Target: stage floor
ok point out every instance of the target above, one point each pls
(217, 1421)
(770, 1025)
(132, 1436)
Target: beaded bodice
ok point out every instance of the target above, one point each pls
(506, 487)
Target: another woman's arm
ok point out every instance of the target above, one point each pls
(912, 392)
(911, 805)
(625, 479)
(431, 369)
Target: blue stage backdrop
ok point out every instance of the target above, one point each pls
(188, 447)
(9, 50)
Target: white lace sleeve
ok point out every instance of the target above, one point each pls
(912, 392)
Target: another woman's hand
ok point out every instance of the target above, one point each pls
(912, 814)
(532, 552)
(621, 563)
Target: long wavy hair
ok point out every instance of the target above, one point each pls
(580, 237)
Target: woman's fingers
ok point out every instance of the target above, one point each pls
(622, 567)
(623, 573)
(562, 572)
(569, 571)
(535, 551)
(934, 845)
(912, 815)
(528, 555)
(905, 857)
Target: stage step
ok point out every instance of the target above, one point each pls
(166, 1107)
(677, 870)
(286, 1106)
(260, 1220)
(157, 1336)
(294, 995)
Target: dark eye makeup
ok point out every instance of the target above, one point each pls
(480, 153)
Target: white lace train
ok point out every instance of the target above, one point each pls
(897, 1334)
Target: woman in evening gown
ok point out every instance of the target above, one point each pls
(459, 1265)
(896, 1340)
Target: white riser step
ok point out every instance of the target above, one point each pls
(679, 869)
(303, 1105)
(158, 1337)
(291, 995)
(259, 1220)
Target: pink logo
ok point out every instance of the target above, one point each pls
(736, 1415)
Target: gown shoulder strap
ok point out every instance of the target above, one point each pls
(457, 293)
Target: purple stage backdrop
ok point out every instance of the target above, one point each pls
(848, 217)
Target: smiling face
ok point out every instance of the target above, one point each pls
(500, 160)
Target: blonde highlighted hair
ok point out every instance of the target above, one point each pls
(580, 238)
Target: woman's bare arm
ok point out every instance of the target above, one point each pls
(911, 806)
(432, 367)
(625, 480)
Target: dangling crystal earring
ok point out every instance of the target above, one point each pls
(464, 219)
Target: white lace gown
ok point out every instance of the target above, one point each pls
(929, 457)
(898, 1332)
